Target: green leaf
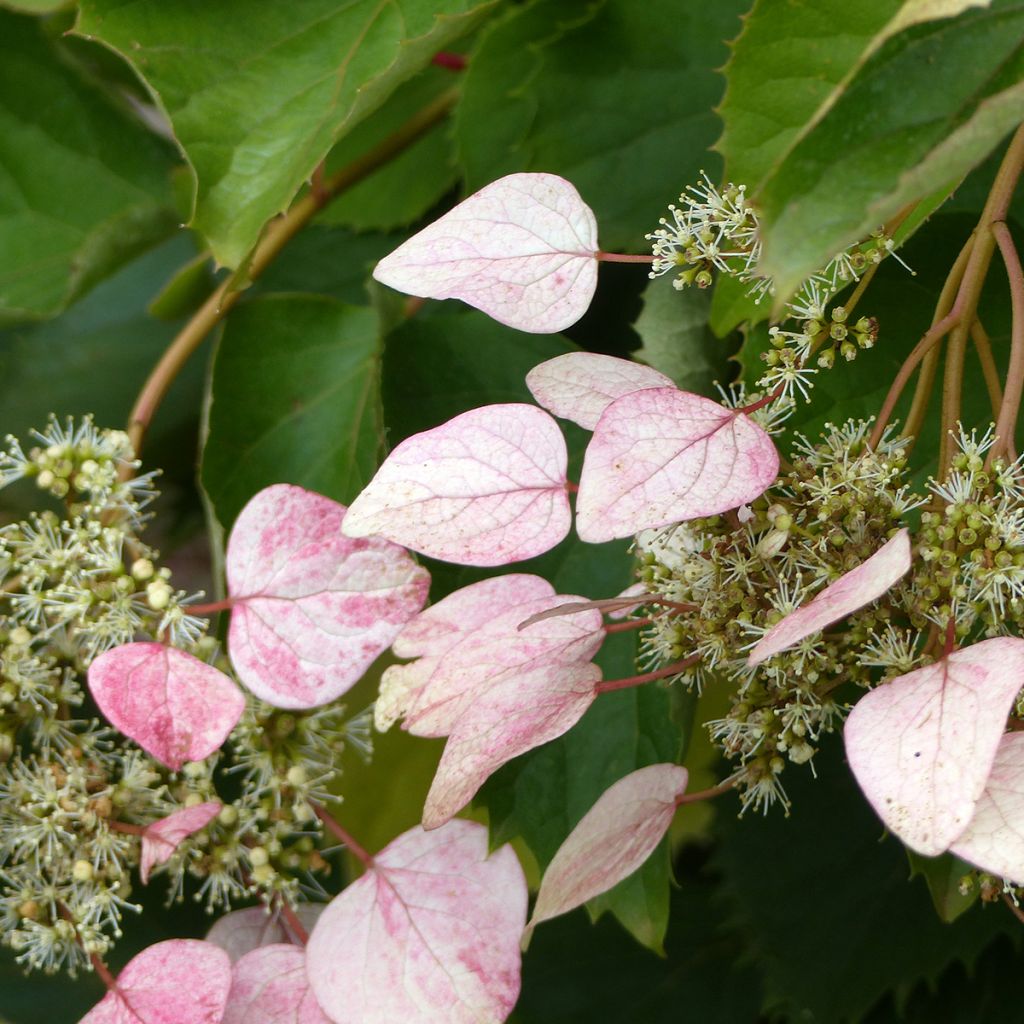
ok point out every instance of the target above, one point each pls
(84, 187)
(673, 327)
(942, 875)
(616, 97)
(258, 94)
(293, 398)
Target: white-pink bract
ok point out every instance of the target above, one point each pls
(523, 249)
(242, 931)
(312, 608)
(442, 626)
(270, 986)
(663, 456)
(611, 840)
(579, 386)
(514, 713)
(853, 590)
(486, 488)
(161, 838)
(922, 746)
(173, 705)
(181, 981)
(429, 935)
(994, 839)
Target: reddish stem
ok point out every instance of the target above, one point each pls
(706, 794)
(126, 827)
(212, 607)
(101, 969)
(648, 677)
(1015, 910)
(622, 257)
(449, 60)
(623, 627)
(571, 487)
(297, 927)
(950, 644)
(332, 826)
(761, 403)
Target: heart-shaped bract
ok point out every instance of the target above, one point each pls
(922, 745)
(661, 456)
(523, 249)
(181, 981)
(270, 985)
(486, 488)
(429, 935)
(161, 838)
(173, 705)
(312, 609)
(994, 839)
(242, 931)
(853, 590)
(611, 840)
(579, 386)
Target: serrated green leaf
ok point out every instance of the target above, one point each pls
(620, 104)
(942, 875)
(83, 186)
(258, 94)
(294, 398)
(673, 326)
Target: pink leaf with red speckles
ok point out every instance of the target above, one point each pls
(994, 839)
(442, 626)
(486, 488)
(611, 840)
(242, 931)
(173, 705)
(433, 692)
(270, 986)
(516, 712)
(429, 935)
(922, 746)
(853, 590)
(181, 981)
(579, 386)
(161, 838)
(312, 608)
(522, 249)
(663, 456)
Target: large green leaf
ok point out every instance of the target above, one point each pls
(83, 185)
(614, 96)
(257, 94)
(293, 399)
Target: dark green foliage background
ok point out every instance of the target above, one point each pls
(120, 121)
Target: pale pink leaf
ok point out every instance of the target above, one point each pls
(173, 705)
(270, 986)
(663, 456)
(514, 714)
(242, 931)
(612, 839)
(994, 839)
(181, 981)
(312, 608)
(161, 838)
(437, 691)
(579, 386)
(486, 488)
(853, 590)
(523, 249)
(922, 746)
(429, 935)
(442, 626)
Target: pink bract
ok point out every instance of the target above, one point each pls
(242, 931)
(312, 608)
(270, 986)
(663, 456)
(579, 386)
(173, 705)
(522, 249)
(181, 981)
(161, 838)
(994, 839)
(922, 746)
(513, 714)
(612, 839)
(429, 935)
(853, 590)
(486, 488)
